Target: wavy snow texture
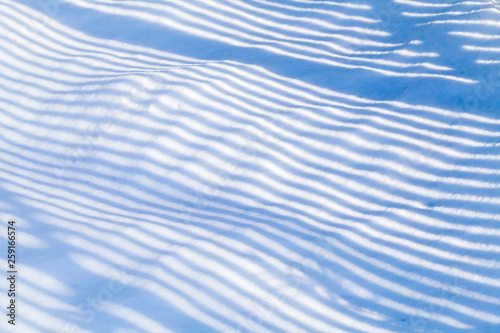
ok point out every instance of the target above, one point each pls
(160, 192)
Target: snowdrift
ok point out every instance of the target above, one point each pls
(251, 166)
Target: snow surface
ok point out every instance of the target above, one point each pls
(251, 166)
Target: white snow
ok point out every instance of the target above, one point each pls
(251, 166)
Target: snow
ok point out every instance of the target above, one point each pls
(251, 166)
